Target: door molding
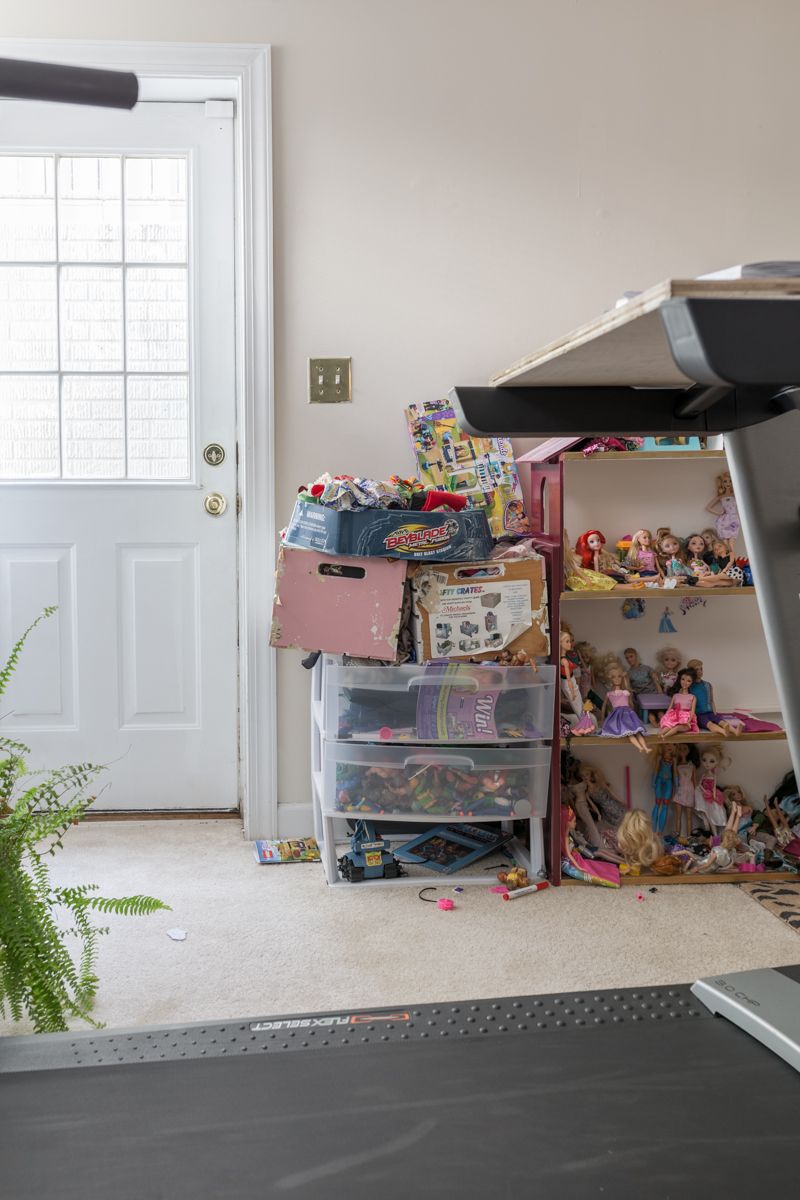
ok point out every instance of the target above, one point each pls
(175, 71)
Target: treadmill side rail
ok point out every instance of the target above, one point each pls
(763, 1003)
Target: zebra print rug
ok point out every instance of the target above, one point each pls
(781, 899)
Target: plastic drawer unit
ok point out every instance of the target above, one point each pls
(437, 703)
(479, 783)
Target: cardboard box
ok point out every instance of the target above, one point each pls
(475, 610)
(391, 533)
(340, 605)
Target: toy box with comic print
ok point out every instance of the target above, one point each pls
(482, 469)
(477, 610)
(390, 533)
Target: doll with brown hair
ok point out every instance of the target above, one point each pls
(669, 660)
(570, 669)
(708, 798)
(723, 506)
(642, 556)
(697, 558)
(672, 556)
(680, 716)
(618, 716)
(683, 800)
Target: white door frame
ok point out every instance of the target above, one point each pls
(192, 71)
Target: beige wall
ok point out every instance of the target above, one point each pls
(457, 181)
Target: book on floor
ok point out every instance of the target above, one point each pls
(287, 850)
(449, 848)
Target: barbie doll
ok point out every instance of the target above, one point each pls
(680, 716)
(707, 718)
(724, 508)
(669, 660)
(708, 798)
(663, 786)
(618, 716)
(570, 665)
(734, 795)
(637, 841)
(684, 792)
(606, 801)
(587, 653)
(642, 556)
(728, 853)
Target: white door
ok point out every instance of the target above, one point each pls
(117, 371)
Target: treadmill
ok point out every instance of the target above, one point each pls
(658, 1092)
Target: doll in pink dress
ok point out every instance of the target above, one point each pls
(642, 556)
(680, 716)
(618, 714)
(708, 798)
(683, 798)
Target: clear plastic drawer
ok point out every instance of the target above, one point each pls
(429, 784)
(438, 703)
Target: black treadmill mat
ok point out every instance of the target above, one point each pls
(645, 1108)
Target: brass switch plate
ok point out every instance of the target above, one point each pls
(329, 380)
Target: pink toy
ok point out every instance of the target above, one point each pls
(444, 903)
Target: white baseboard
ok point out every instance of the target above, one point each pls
(295, 821)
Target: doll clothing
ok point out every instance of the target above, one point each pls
(684, 794)
(667, 679)
(641, 679)
(622, 721)
(705, 713)
(611, 810)
(708, 800)
(584, 580)
(728, 525)
(680, 713)
(646, 562)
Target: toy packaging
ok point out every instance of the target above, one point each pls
(339, 605)
(390, 533)
(482, 469)
(476, 611)
(297, 850)
(449, 848)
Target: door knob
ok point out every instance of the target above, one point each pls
(214, 504)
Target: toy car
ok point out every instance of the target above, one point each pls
(369, 856)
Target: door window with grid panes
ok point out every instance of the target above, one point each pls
(94, 317)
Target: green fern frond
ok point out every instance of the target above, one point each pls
(8, 670)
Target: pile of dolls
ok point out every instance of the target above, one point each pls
(602, 839)
(622, 697)
(705, 559)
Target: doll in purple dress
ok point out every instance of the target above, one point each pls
(618, 714)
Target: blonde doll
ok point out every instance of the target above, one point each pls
(708, 798)
(669, 660)
(618, 715)
(723, 506)
(571, 669)
(637, 841)
(642, 556)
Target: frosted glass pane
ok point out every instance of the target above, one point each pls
(28, 335)
(89, 209)
(158, 427)
(91, 319)
(27, 208)
(29, 427)
(155, 210)
(157, 327)
(93, 426)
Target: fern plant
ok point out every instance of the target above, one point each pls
(39, 978)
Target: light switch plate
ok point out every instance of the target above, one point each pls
(329, 380)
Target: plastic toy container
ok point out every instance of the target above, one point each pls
(438, 703)
(481, 783)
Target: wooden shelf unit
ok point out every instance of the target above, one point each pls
(625, 592)
(639, 455)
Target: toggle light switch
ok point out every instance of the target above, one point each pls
(329, 380)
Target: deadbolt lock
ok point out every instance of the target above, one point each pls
(214, 454)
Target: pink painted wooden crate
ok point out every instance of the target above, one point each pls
(340, 605)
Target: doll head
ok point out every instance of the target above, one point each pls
(632, 657)
(668, 545)
(734, 795)
(587, 652)
(696, 664)
(724, 484)
(681, 752)
(587, 544)
(686, 677)
(665, 753)
(720, 548)
(696, 545)
(710, 759)
(709, 537)
(566, 639)
(669, 658)
(615, 675)
(637, 841)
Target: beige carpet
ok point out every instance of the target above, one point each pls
(780, 899)
(264, 940)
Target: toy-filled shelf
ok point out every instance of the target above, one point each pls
(655, 740)
(639, 455)
(624, 592)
